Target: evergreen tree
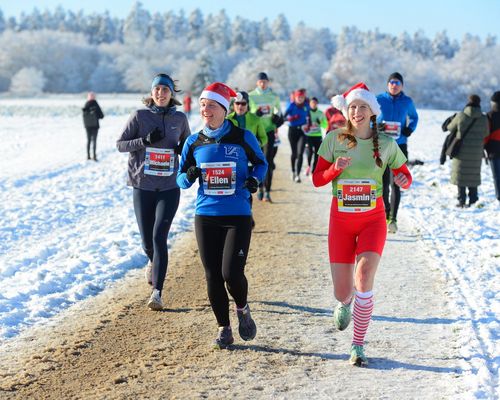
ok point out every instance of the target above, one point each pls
(281, 28)
(136, 25)
(206, 73)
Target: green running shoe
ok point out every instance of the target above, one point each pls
(342, 316)
(358, 357)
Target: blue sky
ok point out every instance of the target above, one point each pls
(479, 17)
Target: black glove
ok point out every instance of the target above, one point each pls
(251, 184)
(381, 127)
(277, 119)
(259, 113)
(193, 173)
(407, 131)
(154, 136)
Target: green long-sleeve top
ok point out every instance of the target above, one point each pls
(252, 123)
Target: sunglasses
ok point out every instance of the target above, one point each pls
(397, 83)
(239, 103)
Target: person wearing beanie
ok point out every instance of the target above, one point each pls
(354, 159)
(92, 113)
(298, 117)
(264, 103)
(153, 137)
(471, 125)
(217, 158)
(492, 141)
(314, 134)
(399, 119)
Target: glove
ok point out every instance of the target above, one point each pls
(154, 136)
(251, 184)
(381, 127)
(407, 131)
(259, 113)
(277, 120)
(193, 173)
(292, 117)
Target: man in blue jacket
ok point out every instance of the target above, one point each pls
(400, 119)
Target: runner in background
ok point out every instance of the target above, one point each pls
(153, 137)
(335, 118)
(217, 157)
(398, 119)
(244, 119)
(354, 160)
(186, 103)
(314, 134)
(266, 104)
(297, 115)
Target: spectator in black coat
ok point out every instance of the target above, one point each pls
(492, 141)
(92, 113)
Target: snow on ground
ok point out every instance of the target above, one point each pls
(68, 228)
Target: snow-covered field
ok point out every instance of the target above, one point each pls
(68, 229)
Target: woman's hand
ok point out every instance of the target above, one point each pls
(342, 162)
(401, 180)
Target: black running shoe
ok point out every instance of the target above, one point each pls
(224, 338)
(246, 328)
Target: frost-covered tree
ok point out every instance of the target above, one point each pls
(442, 46)
(157, 30)
(281, 28)
(136, 25)
(218, 30)
(206, 73)
(265, 35)
(3, 24)
(195, 23)
(28, 81)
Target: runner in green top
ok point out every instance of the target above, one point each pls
(354, 159)
(314, 133)
(266, 105)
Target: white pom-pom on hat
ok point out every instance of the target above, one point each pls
(358, 92)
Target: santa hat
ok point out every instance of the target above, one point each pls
(218, 92)
(358, 92)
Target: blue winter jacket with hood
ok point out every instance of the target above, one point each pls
(400, 109)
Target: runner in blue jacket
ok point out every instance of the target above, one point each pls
(217, 157)
(399, 118)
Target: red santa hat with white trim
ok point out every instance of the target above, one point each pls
(219, 92)
(358, 92)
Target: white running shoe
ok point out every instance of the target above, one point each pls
(155, 302)
(392, 227)
(149, 273)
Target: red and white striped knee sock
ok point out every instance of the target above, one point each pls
(361, 314)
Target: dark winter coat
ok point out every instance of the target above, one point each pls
(92, 113)
(466, 166)
(492, 142)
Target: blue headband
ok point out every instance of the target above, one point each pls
(163, 80)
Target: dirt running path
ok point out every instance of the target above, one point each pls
(112, 347)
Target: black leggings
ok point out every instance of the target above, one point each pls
(154, 212)
(297, 143)
(223, 243)
(312, 151)
(91, 138)
(270, 151)
(392, 205)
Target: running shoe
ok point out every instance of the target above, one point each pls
(308, 171)
(342, 316)
(149, 273)
(260, 195)
(246, 328)
(297, 179)
(155, 302)
(224, 338)
(267, 197)
(392, 227)
(358, 357)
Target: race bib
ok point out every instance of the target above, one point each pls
(219, 178)
(356, 195)
(265, 109)
(159, 162)
(392, 128)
